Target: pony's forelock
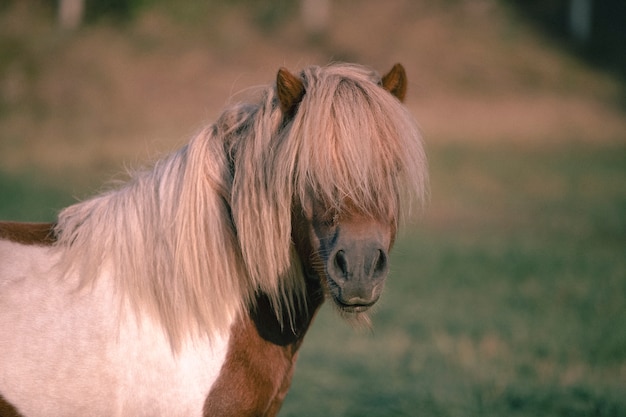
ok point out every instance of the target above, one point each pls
(192, 241)
(358, 146)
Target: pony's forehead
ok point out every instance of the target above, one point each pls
(332, 83)
(340, 72)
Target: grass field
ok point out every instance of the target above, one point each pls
(507, 297)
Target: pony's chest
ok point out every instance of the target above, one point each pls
(255, 377)
(153, 381)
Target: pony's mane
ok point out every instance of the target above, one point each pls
(191, 241)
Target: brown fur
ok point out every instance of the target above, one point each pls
(260, 362)
(7, 410)
(28, 233)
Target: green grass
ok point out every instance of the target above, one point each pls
(507, 299)
(29, 197)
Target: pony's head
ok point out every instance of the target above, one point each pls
(345, 216)
(327, 182)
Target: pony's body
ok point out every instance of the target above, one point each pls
(74, 353)
(189, 290)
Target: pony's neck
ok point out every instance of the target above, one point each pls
(287, 331)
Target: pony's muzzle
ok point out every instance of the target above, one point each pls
(357, 275)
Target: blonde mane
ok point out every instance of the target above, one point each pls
(193, 240)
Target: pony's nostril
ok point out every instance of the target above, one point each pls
(381, 263)
(341, 263)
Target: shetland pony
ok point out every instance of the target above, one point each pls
(188, 290)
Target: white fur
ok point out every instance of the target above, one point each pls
(65, 352)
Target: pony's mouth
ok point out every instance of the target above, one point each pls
(352, 307)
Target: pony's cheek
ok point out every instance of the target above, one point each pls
(325, 286)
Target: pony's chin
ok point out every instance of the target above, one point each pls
(359, 320)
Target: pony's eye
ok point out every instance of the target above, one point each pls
(331, 220)
(328, 219)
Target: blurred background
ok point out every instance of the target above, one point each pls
(508, 292)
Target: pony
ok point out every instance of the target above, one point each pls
(188, 290)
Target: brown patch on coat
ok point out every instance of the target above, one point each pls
(28, 233)
(7, 410)
(257, 373)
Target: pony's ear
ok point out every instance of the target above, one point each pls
(290, 91)
(395, 81)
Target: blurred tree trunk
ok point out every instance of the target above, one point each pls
(580, 20)
(71, 13)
